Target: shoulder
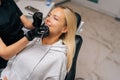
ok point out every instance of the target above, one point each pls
(12, 2)
(58, 51)
(56, 57)
(59, 47)
(7, 3)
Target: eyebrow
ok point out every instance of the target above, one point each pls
(54, 15)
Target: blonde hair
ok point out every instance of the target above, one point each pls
(69, 37)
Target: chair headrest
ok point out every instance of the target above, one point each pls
(78, 19)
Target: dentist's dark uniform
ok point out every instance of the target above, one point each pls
(10, 25)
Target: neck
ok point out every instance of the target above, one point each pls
(49, 40)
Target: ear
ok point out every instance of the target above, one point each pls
(64, 29)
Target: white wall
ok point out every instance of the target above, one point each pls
(110, 7)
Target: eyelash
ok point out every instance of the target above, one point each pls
(53, 17)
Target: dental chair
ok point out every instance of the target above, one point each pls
(78, 39)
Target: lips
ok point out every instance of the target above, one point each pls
(47, 25)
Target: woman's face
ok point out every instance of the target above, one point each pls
(56, 22)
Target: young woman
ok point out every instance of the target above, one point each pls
(51, 58)
(11, 23)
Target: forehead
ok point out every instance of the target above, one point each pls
(58, 12)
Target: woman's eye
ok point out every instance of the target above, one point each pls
(48, 15)
(56, 18)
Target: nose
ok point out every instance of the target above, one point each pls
(47, 20)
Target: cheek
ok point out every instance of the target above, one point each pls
(56, 28)
(57, 25)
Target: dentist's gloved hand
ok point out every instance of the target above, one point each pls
(37, 19)
(41, 32)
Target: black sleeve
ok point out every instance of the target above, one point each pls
(19, 12)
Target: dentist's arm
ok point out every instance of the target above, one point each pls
(5, 78)
(7, 52)
(37, 20)
(26, 22)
